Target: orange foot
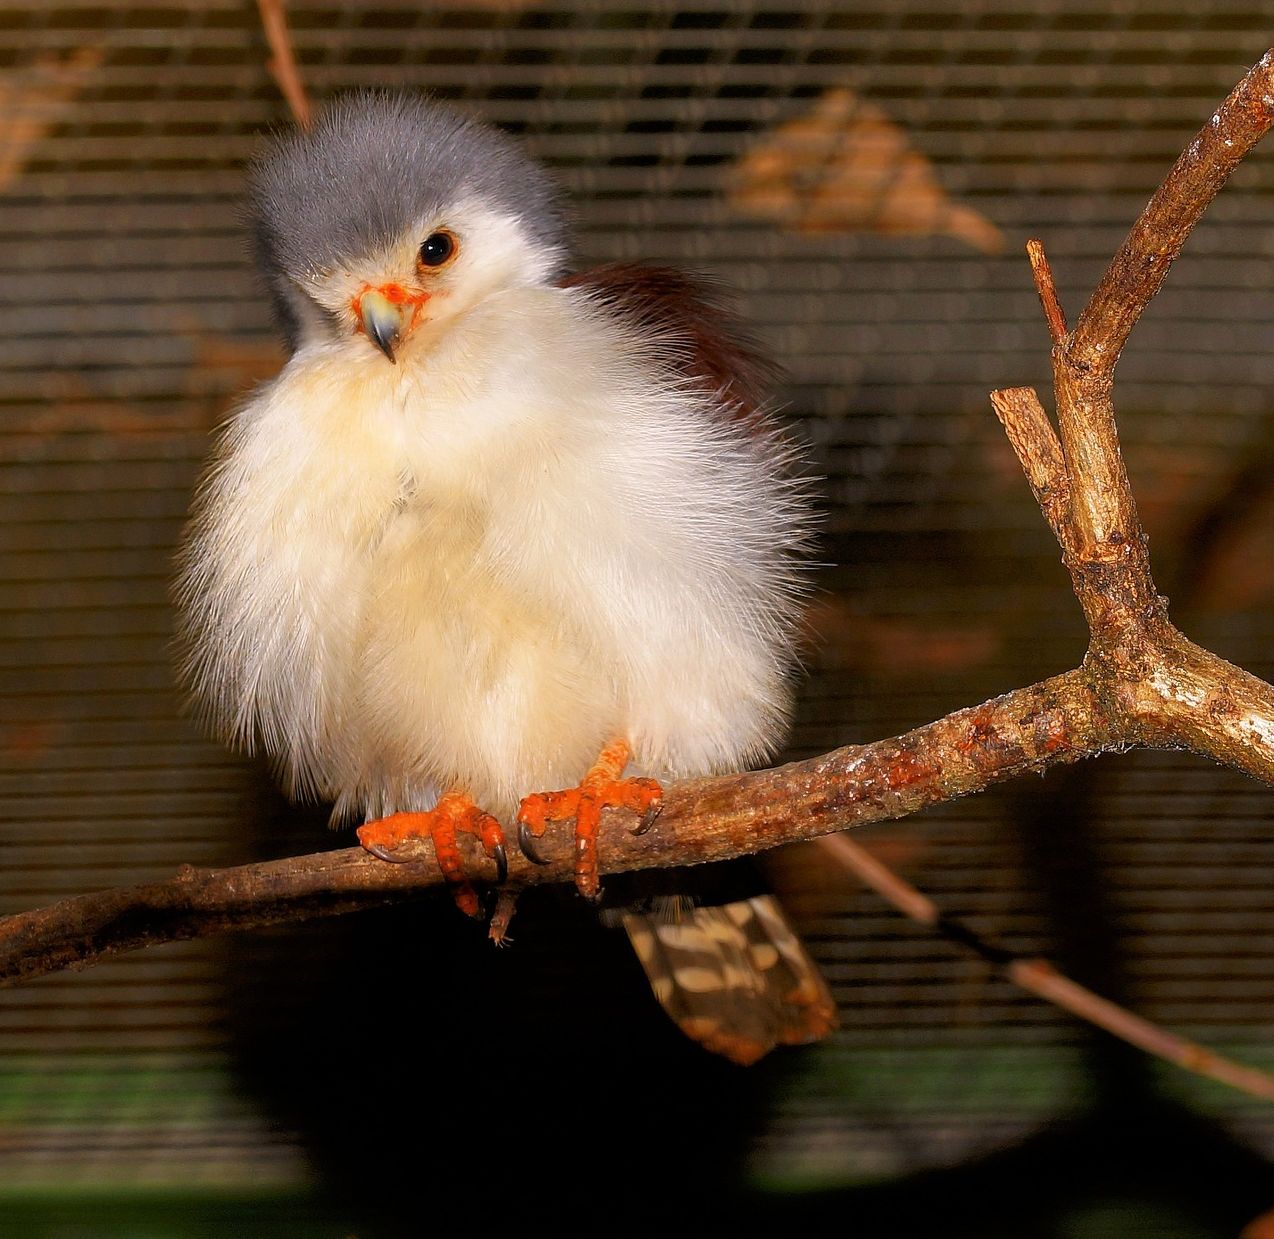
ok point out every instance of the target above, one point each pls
(454, 814)
(602, 788)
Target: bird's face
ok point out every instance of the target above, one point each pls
(401, 299)
(393, 217)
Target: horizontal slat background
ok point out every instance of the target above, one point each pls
(130, 321)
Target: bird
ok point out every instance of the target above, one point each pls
(503, 544)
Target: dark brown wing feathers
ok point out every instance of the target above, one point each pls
(704, 339)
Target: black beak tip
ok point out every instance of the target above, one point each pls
(385, 341)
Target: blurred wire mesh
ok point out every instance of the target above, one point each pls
(864, 175)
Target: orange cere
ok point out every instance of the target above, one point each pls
(396, 294)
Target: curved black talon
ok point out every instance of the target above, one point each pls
(501, 858)
(379, 852)
(648, 818)
(526, 841)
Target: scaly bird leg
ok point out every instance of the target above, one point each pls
(453, 815)
(601, 788)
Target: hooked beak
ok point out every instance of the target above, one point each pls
(383, 320)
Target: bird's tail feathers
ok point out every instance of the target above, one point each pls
(734, 977)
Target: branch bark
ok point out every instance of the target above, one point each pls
(703, 820)
(1141, 682)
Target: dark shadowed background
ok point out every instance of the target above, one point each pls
(865, 176)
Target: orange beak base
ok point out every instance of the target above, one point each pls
(386, 314)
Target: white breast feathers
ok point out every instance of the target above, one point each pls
(478, 566)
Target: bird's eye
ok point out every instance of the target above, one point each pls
(437, 249)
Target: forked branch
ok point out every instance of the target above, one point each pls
(1141, 682)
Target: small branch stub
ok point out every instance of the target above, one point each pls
(1035, 444)
(1054, 316)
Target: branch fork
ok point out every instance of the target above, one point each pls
(1155, 686)
(1141, 682)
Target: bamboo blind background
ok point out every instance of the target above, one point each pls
(130, 320)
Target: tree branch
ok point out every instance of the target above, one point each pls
(1156, 239)
(1084, 363)
(1038, 451)
(1141, 682)
(703, 820)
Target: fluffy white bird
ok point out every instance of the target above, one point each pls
(492, 530)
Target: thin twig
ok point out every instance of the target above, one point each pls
(1043, 980)
(1038, 976)
(1054, 315)
(282, 63)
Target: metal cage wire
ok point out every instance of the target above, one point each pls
(130, 321)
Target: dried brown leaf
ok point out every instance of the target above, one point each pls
(36, 97)
(846, 167)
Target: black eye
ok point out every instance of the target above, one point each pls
(438, 247)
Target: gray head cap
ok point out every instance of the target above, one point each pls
(374, 164)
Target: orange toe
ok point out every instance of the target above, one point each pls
(453, 815)
(600, 789)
